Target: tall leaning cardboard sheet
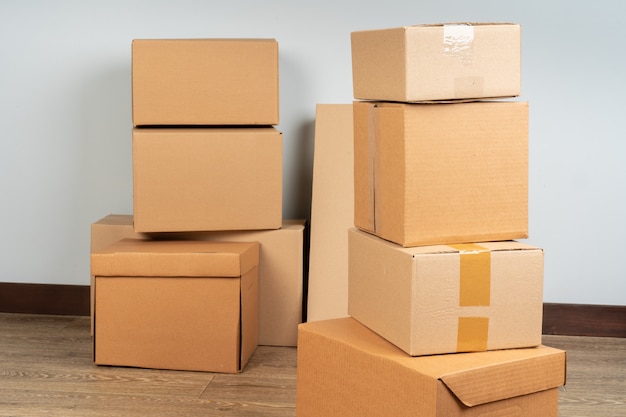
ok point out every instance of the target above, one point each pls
(332, 212)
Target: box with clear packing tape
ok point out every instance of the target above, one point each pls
(433, 62)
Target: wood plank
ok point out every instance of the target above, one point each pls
(596, 376)
(46, 370)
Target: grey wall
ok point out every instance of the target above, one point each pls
(65, 117)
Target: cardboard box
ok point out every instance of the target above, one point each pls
(176, 304)
(437, 62)
(205, 82)
(332, 212)
(427, 174)
(110, 229)
(104, 232)
(444, 299)
(345, 370)
(207, 179)
(281, 269)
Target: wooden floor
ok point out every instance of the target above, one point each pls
(46, 370)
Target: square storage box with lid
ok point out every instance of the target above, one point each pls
(445, 299)
(205, 82)
(207, 179)
(346, 370)
(437, 62)
(429, 174)
(281, 268)
(183, 305)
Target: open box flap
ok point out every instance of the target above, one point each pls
(519, 375)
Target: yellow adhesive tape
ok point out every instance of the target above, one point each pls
(475, 279)
(473, 334)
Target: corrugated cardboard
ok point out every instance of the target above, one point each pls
(437, 62)
(443, 299)
(104, 232)
(184, 305)
(207, 179)
(280, 269)
(430, 174)
(346, 370)
(205, 82)
(332, 212)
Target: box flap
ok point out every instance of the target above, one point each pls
(139, 257)
(496, 246)
(517, 374)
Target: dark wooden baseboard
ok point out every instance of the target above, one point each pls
(558, 319)
(72, 300)
(584, 320)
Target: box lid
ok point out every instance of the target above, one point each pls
(171, 258)
(474, 378)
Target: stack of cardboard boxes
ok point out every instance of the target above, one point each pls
(445, 307)
(205, 268)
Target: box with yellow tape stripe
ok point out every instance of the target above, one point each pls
(447, 298)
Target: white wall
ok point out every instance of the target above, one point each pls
(65, 117)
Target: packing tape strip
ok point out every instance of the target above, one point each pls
(457, 42)
(472, 334)
(475, 277)
(474, 290)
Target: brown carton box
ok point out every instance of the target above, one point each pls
(346, 370)
(429, 174)
(437, 62)
(205, 82)
(207, 179)
(445, 299)
(281, 263)
(176, 304)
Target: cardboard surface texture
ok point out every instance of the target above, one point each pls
(205, 82)
(176, 304)
(207, 179)
(344, 369)
(428, 174)
(444, 299)
(437, 62)
(332, 212)
(280, 269)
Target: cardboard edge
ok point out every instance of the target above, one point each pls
(545, 371)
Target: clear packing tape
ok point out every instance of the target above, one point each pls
(457, 41)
